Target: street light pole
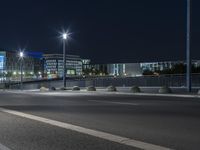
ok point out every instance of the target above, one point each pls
(64, 59)
(21, 54)
(188, 55)
(21, 77)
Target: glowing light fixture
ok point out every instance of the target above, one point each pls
(65, 36)
(21, 54)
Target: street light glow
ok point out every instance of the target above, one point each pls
(21, 54)
(65, 35)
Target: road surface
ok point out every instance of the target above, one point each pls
(89, 121)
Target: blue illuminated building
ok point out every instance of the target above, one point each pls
(10, 64)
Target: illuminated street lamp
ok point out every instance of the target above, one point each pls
(65, 37)
(21, 56)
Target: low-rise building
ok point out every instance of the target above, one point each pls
(10, 64)
(120, 69)
(53, 65)
(125, 69)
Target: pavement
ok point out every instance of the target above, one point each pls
(148, 91)
(97, 120)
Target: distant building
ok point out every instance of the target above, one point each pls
(86, 62)
(126, 69)
(121, 69)
(38, 65)
(53, 65)
(135, 69)
(160, 66)
(196, 63)
(155, 66)
(10, 64)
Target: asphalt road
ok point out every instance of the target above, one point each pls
(170, 122)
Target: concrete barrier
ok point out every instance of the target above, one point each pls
(135, 89)
(164, 90)
(44, 89)
(63, 88)
(53, 88)
(76, 88)
(111, 89)
(91, 88)
(198, 92)
(2, 85)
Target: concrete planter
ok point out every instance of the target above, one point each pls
(2, 85)
(91, 88)
(76, 88)
(111, 89)
(44, 89)
(198, 92)
(135, 89)
(63, 88)
(164, 90)
(53, 89)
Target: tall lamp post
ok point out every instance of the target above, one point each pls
(188, 55)
(21, 55)
(65, 36)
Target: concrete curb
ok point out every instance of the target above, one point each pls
(85, 92)
(163, 95)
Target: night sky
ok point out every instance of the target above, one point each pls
(105, 31)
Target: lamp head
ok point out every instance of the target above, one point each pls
(65, 36)
(21, 54)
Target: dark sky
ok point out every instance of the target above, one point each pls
(102, 30)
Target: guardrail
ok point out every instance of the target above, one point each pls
(162, 80)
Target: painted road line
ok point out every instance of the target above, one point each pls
(113, 102)
(2, 147)
(165, 95)
(91, 132)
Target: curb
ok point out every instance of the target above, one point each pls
(104, 93)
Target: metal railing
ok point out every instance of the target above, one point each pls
(178, 80)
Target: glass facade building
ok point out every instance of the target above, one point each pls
(154, 66)
(127, 69)
(10, 65)
(53, 64)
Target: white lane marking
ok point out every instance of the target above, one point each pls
(2, 147)
(91, 132)
(165, 95)
(114, 102)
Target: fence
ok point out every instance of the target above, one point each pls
(169, 80)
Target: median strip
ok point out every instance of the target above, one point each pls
(91, 132)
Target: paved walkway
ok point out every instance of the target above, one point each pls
(145, 91)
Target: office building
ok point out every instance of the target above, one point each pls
(118, 69)
(10, 64)
(53, 65)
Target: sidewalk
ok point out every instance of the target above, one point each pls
(145, 91)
